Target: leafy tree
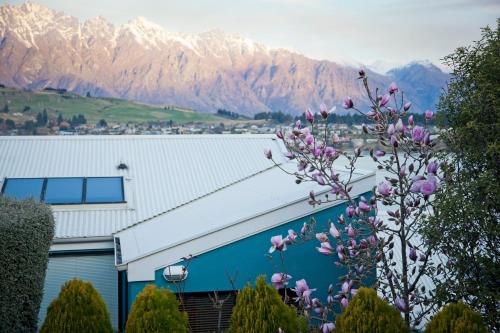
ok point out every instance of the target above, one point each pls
(261, 310)
(368, 313)
(88, 94)
(45, 117)
(60, 119)
(5, 108)
(26, 229)
(456, 318)
(10, 124)
(102, 123)
(29, 125)
(26, 108)
(156, 310)
(78, 308)
(466, 226)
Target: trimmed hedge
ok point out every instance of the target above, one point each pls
(26, 229)
(368, 313)
(456, 318)
(78, 308)
(156, 310)
(261, 310)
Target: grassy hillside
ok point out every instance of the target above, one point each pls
(94, 109)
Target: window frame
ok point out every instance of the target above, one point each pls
(84, 189)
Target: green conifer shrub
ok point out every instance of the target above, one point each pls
(26, 231)
(78, 308)
(368, 313)
(261, 310)
(156, 310)
(456, 318)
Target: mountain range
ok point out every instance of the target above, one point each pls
(141, 61)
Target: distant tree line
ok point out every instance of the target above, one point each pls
(278, 117)
(230, 114)
(358, 119)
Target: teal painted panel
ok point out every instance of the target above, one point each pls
(248, 259)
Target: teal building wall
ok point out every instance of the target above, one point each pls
(248, 258)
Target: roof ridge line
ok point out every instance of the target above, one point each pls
(195, 199)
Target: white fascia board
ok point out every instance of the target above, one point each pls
(143, 268)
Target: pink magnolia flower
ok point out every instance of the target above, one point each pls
(384, 188)
(399, 125)
(334, 231)
(344, 302)
(428, 114)
(278, 243)
(401, 304)
(354, 292)
(309, 116)
(289, 155)
(416, 186)
(407, 106)
(346, 287)
(391, 129)
(432, 167)
(349, 211)
(323, 111)
(429, 186)
(411, 121)
(317, 152)
(418, 134)
(300, 287)
(325, 249)
(292, 235)
(364, 206)
(309, 140)
(384, 100)
(322, 237)
(394, 141)
(350, 231)
(393, 88)
(327, 327)
(413, 254)
(427, 139)
(279, 134)
(348, 103)
(280, 280)
(379, 153)
(298, 124)
(330, 152)
(304, 228)
(335, 138)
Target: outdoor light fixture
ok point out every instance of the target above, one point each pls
(175, 273)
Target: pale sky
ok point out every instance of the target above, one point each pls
(394, 31)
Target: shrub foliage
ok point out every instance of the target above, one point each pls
(78, 308)
(368, 313)
(156, 310)
(456, 318)
(261, 310)
(26, 229)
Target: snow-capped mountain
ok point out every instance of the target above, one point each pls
(141, 61)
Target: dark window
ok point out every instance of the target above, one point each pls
(204, 315)
(23, 188)
(64, 190)
(105, 189)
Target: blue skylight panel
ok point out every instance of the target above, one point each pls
(104, 190)
(64, 191)
(23, 188)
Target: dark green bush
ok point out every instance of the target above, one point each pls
(456, 318)
(156, 310)
(261, 310)
(368, 313)
(78, 308)
(26, 231)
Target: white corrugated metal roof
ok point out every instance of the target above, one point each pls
(164, 172)
(262, 193)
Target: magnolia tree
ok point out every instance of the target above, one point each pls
(363, 238)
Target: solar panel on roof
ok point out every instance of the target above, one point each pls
(23, 188)
(64, 190)
(104, 190)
